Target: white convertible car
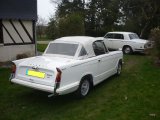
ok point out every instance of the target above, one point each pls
(69, 64)
(128, 41)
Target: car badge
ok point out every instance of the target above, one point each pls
(35, 68)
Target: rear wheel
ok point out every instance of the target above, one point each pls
(84, 88)
(127, 50)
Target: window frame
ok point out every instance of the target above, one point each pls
(1, 33)
(120, 35)
(106, 36)
(68, 56)
(113, 36)
(133, 34)
(82, 48)
(105, 49)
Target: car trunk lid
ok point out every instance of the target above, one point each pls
(40, 70)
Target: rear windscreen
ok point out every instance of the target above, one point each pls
(62, 49)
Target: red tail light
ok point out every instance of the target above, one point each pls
(58, 77)
(13, 68)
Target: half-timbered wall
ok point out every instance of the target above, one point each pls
(16, 37)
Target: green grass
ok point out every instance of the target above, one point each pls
(41, 47)
(134, 95)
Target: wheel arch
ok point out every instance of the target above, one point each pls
(119, 61)
(130, 46)
(89, 77)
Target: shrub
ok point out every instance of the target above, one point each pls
(155, 36)
(21, 56)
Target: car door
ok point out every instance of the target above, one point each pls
(105, 63)
(114, 40)
(117, 41)
(108, 40)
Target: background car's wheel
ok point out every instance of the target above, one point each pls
(127, 50)
(84, 88)
(119, 68)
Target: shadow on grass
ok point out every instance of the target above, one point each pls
(41, 98)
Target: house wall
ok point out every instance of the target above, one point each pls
(9, 53)
(17, 37)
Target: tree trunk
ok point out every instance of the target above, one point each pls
(142, 35)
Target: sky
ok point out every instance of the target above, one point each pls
(46, 9)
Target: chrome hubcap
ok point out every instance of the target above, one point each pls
(127, 50)
(85, 87)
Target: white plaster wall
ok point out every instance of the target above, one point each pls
(13, 33)
(29, 25)
(9, 53)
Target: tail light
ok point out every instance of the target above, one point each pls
(57, 81)
(13, 68)
(58, 77)
(13, 71)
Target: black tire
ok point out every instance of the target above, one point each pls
(127, 50)
(119, 68)
(84, 88)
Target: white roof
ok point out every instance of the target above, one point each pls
(122, 32)
(85, 41)
(77, 39)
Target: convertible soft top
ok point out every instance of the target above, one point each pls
(86, 42)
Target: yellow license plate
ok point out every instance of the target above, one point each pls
(35, 73)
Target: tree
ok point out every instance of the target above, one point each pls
(52, 29)
(142, 14)
(41, 27)
(69, 19)
(101, 16)
(71, 25)
(67, 7)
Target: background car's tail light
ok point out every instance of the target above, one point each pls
(13, 68)
(58, 77)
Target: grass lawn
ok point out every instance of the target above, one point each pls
(134, 95)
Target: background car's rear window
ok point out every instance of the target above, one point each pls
(133, 36)
(62, 49)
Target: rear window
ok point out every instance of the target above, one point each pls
(133, 36)
(62, 49)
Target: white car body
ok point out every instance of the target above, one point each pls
(73, 68)
(116, 40)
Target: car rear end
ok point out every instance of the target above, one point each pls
(36, 76)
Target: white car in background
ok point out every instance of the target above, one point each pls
(128, 41)
(68, 64)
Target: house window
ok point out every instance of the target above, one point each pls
(1, 32)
